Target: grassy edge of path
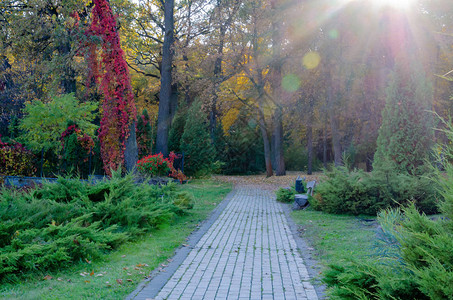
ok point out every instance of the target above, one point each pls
(121, 271)
(335, 238)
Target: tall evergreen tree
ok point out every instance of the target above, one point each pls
(406, 135)
(196, 142)
(177, 129)
(144, 135)
(243, 150)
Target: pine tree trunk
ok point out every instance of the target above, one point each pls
(164, 116)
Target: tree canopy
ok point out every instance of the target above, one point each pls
(312, 75)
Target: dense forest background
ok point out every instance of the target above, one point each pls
(277, 85)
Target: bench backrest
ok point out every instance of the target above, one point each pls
(310, 187)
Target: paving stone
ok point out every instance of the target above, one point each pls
(247, 253)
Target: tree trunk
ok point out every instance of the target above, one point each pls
(68, 81)
(369, 162)
(173, 101)
(310, 148)
(164, 117)
(131, 152)
(310, 135)
(187, 98)
(276, 80)
(335, 139)
(267, 147)
(278, 143)
(185, 58)
(333, 124)
(213, 117)
(324, 144)
(217, 81)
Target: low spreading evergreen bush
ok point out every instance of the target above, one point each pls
(285, 195)
(62, 223)
(415, 257)
(357, 192)
(414, 261)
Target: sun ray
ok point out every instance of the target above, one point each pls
(397, 4)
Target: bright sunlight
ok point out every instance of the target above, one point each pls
(399, 4)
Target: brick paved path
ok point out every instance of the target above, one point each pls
(248, 253)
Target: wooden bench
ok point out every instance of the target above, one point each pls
(311, 187)
(301, 200)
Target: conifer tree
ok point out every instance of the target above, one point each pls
(406, 135)
(144, 135)
(196, 142)
(177, 129)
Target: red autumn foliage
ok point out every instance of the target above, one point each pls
(85, 141)
(16, 160)
(157, 165)
(118, 107)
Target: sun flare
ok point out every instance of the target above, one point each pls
(398, 4)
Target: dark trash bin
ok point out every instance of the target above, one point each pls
(299, 185)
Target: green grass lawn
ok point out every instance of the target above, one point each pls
(336, 237)
(121, 271)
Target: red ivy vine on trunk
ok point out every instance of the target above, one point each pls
(118, 107)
